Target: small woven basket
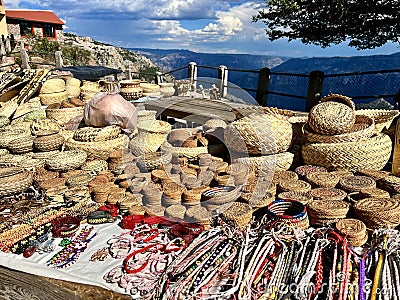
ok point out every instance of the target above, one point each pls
(238, 215)
(48, 142)
(91, 134)
(323, 179)
(377, 212)
(64, 115)
(357, 183)
(372, 153)
(67, 160)
(354, 230)
(296, 196)
(153, 136)
(290, 212)
(14, 181)
(95, 166)
(176, 211)
(53, 98)
(294, 186)
(21, 145)
(221, 195)
(326, 211)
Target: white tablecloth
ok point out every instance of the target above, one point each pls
(83, 271)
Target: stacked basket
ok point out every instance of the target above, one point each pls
(340, 139)
(53, 91)
(130, 89)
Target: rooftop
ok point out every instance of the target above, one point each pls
(44, 16)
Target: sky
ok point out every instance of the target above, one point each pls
(210, 26)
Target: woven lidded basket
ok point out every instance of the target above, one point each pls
(333, 115)
(327, 194)
(294, 185)
(53, 98)
(238, 215)
(357, 183)
(297, 196)
(378, 212)
(67, 160)
(327, 211)
(259, 134)
(364, 127)
(372, 153)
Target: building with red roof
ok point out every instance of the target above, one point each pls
(24, 22)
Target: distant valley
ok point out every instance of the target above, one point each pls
(356, 85)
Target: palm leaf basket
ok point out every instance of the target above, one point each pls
(98, 150)
(281, 161)
(259, 134)
(364, 127)
(14, 181)
(372, 153)
(64, 115)
(66, 161)
(383, 118)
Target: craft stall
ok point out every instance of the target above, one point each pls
(263, 203)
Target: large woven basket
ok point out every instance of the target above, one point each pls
(377, 212)
(98, 150)
(364, 127)
(383, 118)
(48, 142)
(259, 134)
(66, 161)
(64, 115)
(372, 153)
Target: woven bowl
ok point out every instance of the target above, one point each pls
(64, 115)
(322, 179)
(66, 161)
(259, 134)
(383, 118)
(92, 134)
(364, 127)
(14, 181)
(21, 145)
(52, 141)
(372, 153)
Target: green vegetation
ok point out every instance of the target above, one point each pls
(73, 55)
(147, 73)
(366, 24)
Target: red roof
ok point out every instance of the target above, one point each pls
(44, 16)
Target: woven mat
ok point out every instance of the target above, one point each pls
(17, 285)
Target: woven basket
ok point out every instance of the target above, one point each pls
(269, 163)
(152, 137)
(372, 153)
(284, 175)
(98, 150)
(95, 166)
(149, 87)
(50, 142)
(190, 153)
(364, 127)
(383, 118)
(67, 160)
(323, 179)
(327, 209)
(53, 98)
(259, 134)
(327, 194)
(53, 85)
(374, 174)
(221, 195)
(146, 117)
(212, 124)
(378, 213)
(238, 215)
(296, 196)
(64, 115)
(294, 186)
(290, 212)
(176, 211)
(357, 183)
(79, 179)
(14, 181)
(193, 196)
(152, 161)
(7, 136)
(390, 184)
(21, 145)
(354, 230)
(91, 134)
(44, 125)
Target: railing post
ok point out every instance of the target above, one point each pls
(59, 60)
(2, 49)
(128, 74)
(157, 77)
(8, 44)
(264, 79)
(223, 80)
(192, 75)
(315, 85)
(24, 59)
